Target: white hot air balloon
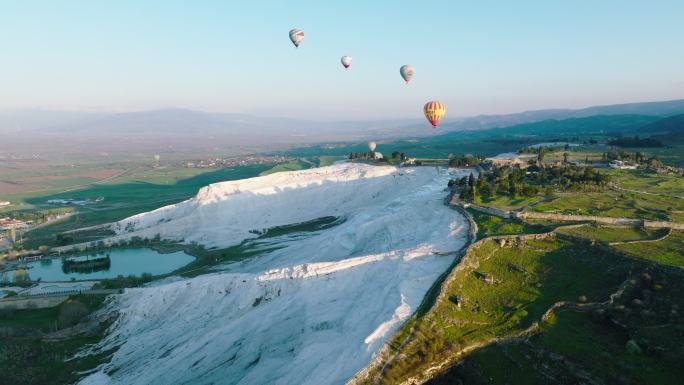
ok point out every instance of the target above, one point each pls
(296, 36)
(407, 71)
(346, 61)
(371, 146)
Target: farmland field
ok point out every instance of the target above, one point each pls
(141, 190)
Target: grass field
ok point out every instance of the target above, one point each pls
(506, 202)
(669, 251)
(613, 233)
(572, 348)
(488, 225)
(648, 181)
(613, 204)
(290, 166)
(505, 293)
(655, 197)
(329, 160)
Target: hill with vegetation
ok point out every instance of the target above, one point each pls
(673, 124)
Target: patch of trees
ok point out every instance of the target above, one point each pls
(362, 155)
(64, 239)
(541, 151)
(464, 161)
(121, 281)
(626, 156)
(518, 183)
(635, 142)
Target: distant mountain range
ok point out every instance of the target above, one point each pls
(597, 124)
(38, 130)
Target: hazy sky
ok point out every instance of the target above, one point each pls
(235, 56)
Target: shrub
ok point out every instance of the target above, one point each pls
(71, 313)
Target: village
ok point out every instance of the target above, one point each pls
(236, 161)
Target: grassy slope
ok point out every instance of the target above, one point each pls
(329, 160)
(669, 251)
(506, 202)
(290, 166)
(573, 347)
(26, 359)
(488, 225)
(553, 270)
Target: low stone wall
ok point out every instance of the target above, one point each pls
(667, 234)
(568, 217)
(663, 225)
(579, 218)
(489, 210)
(32, 303)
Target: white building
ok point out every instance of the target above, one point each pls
(621, 165)
(512, 159)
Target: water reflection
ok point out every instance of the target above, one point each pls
(118, 262)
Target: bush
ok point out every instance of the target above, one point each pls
(632, 347)
(71, 313)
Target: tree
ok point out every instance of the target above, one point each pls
(530, 190)
(471, 180)
(639, 157)
(486, 190)
(512, 188)
(654, 162)
(71, 313)
(467, 194)
(476, 195)
(565, 157)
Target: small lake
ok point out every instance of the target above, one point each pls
(135, 261)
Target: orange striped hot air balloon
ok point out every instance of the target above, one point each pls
(434, 112)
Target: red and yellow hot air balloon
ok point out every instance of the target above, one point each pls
(434, 112)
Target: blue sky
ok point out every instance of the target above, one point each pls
(235, 56)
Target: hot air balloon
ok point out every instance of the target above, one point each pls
(434, 112)
(346, 61)
(296, 36)
(407, 71)
(371, 146)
